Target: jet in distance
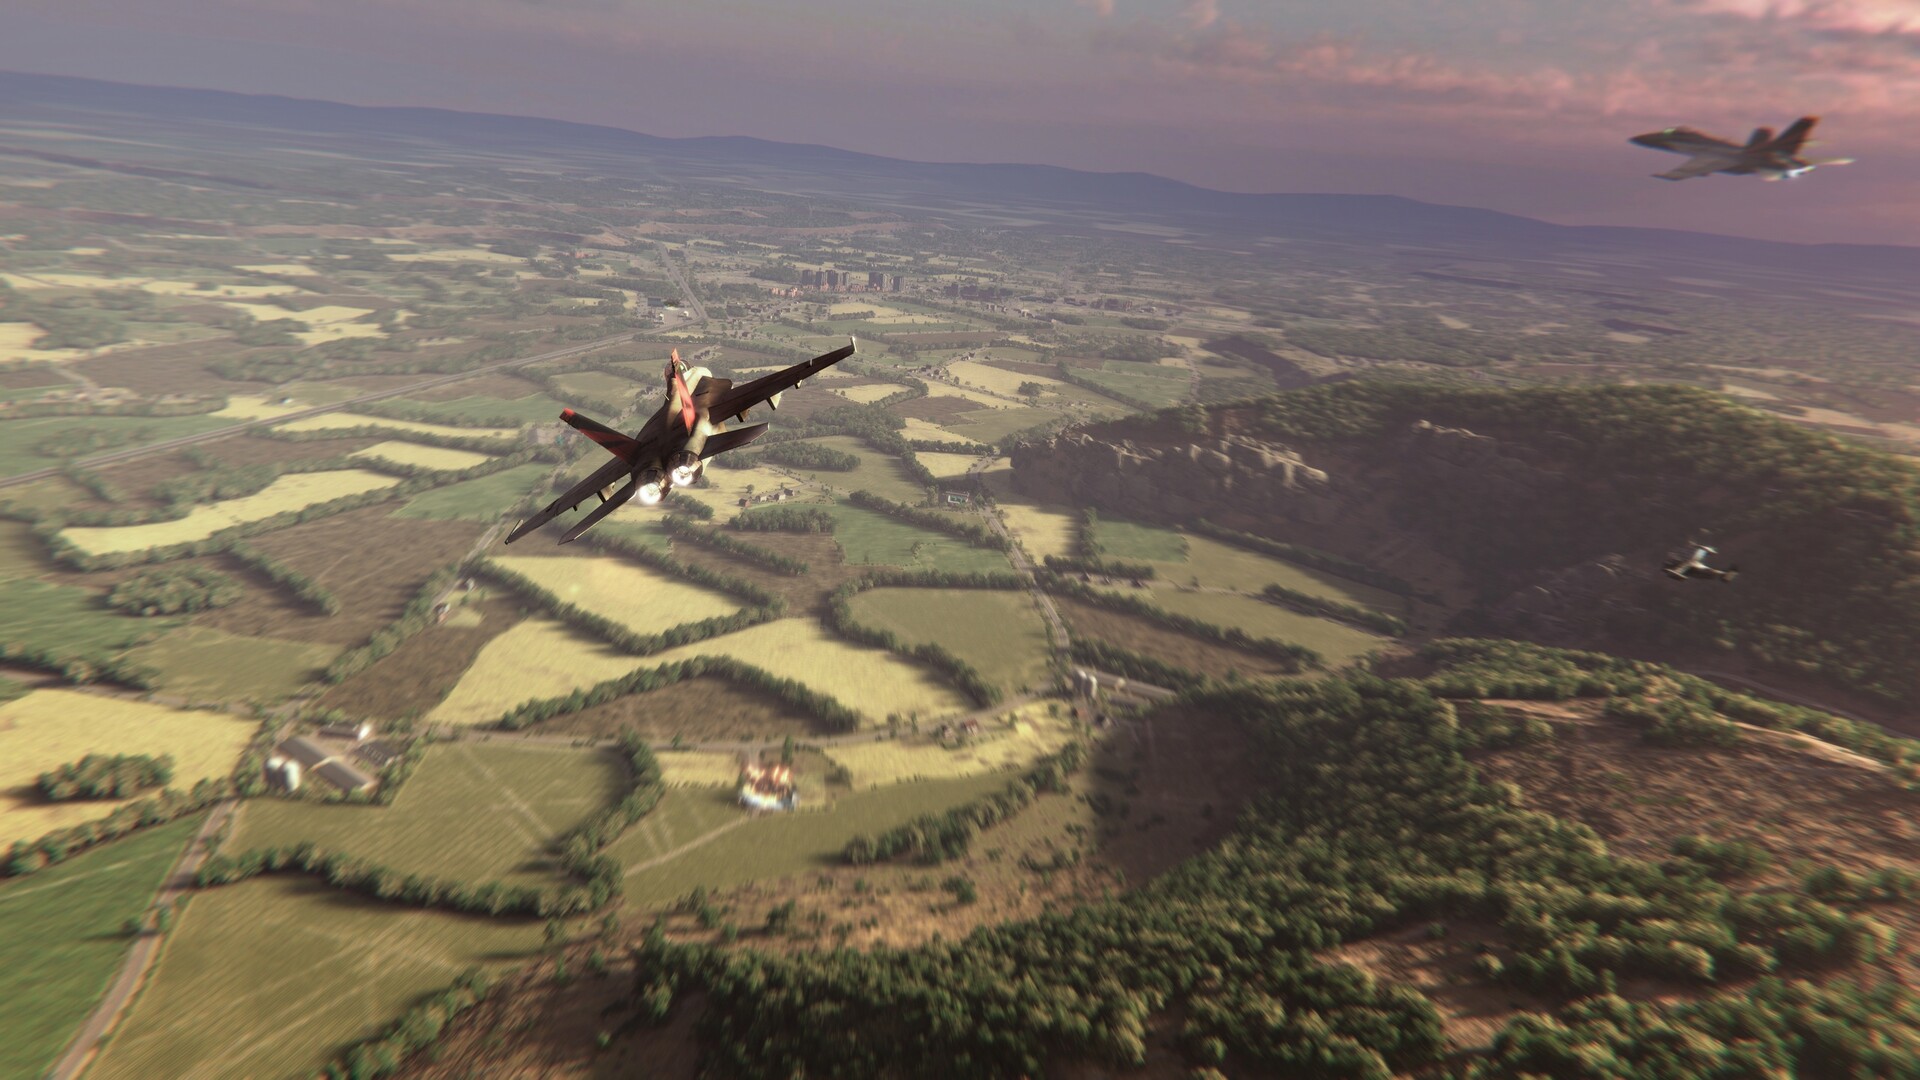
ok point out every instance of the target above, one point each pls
(1695, 566)
(671, 450)
(1765, 155)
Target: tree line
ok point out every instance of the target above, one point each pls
(174, 590)
(832, 715)
(784, 517)
(415, 617)
(1354, 614)
(618, 634)
(1296, 658)
(628, 548)
(105, 776)
(681, 529)
(973, 532)
(1311, 558)
(841, 620)
(936, 838)
(300, 585)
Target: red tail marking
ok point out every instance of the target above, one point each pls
(566, 414)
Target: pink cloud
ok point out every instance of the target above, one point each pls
(1102, 8)
(1200, 14)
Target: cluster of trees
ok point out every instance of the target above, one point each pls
(81, 668)
(784, 517)
(105, 776)
(618, 634)
(28, 856)
(833, 715)
(419, 1029)
(415, 617)
(1104, 657)
(95, 481)
(804, 455)
(300, 585)
(963, 675)
(1309, 604)
(937, 838)
(580, 849)
(872, 424)
(681, 529)
(1674, 720)
(91, 440)
(1374, 819)
(968, 529)
(1311, 558)
(1081, 564)
(629, 548)
(174, 590)
(1297, 658)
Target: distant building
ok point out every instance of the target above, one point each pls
(305, 751)
(378, 753)
(833, 279)
(284, 772)
(893, 283)
(876, 279)
(301, 752)
(349, 731)
(344, 776)
(959, 498)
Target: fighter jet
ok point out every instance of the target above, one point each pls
(1764, 155)
(672, 448)
(1695, 566)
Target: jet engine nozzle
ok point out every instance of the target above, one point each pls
(653, 487)
(685, 468)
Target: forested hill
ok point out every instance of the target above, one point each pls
(1552, 480)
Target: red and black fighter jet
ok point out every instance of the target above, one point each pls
(671, 450)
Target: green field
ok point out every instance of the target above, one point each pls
(272, 977)
(19, 438)
(600, 384)
(532, 409)
(992, 425)
(1337, 642)
(999, 633)
(1162, 391)
(61, 942)
(867, 537)
(877, 473)
(1223, 566)
(780, 845)
(1129, 541)
(471, 812)
(210, 665)
(67, 619)
(481, 499)
(21, 553)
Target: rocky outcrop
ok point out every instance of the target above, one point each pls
(1173, 483)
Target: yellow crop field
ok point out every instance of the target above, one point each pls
(726, 487)
(1043, 531)
(16, 343)
(458, 255)
(162, 287)
(333, 322)
(873, 681)
(638, 597)
(998, 746)
(998, 380)
(539, 658)
(48, 728)
(425, 457)
(257, 407)
(926, 429)
(945, 465)
(291, 492)
(288, 269)
(940, 389)
(342, 420)
(866, 393)
(699, 768)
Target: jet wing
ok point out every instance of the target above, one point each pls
(736, 400)
(601, 478)
(1699, 166)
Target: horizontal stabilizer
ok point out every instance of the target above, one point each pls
(620, 446)
(723, 441)
(601, 511)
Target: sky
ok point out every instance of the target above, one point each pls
(1516, 105)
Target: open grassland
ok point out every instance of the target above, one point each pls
(48, 728)
(425, 457)
(333, 322)
(1138, 635)
(999, 633)
(775, 845)
(67, 619)
(337, 421)
(480, 255)
(866, 393)
(527, 409)
(21, 553)
(866, 538)
(291, 492)
(1042, 530)
(998, 747)
(684, 816)
(869, 680)
(272, 977)
(471, 812)
(700, 768)
(203, 665)
(599, 384)
(539, 658)
(638, 597)
(21, 440)
(722, 491)
(61, 939)
(483, 498)
(1337, 642)
(918, 428)
(1160, 384)
(1223, 566)
(991, 426)
(699, 709)
(1131, 542)
(997, 380)
(289, 269)
(977, 397)
(877, 472)
(945, 466)
(256, 407)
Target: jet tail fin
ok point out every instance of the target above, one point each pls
(620, 446)
(1761, 136)
(1795, 136)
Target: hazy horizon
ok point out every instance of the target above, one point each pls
(1522, 106)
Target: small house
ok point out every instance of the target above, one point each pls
(305, 751)
(352, 732)
(344, 776)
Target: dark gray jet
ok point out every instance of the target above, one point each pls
(671, 450)
(1765, 156)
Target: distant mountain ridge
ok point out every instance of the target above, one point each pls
(1139, 196)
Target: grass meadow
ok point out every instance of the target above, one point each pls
(480, 499)
(340, 421)
(999, 633)
(294, 491)
(1223, 566)
(61, 941)
(997, 748)
(538, 658)
(204, 664)
(868, 537)
(425, 457)
(69, 619)
(638, 597)
(20, 440)
(877, 473)
(1337, 642)
(700, 768)
(1132, 542)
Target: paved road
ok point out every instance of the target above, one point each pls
(686, 291)
(116, 456)
(1021, 566)
(80, 1052)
